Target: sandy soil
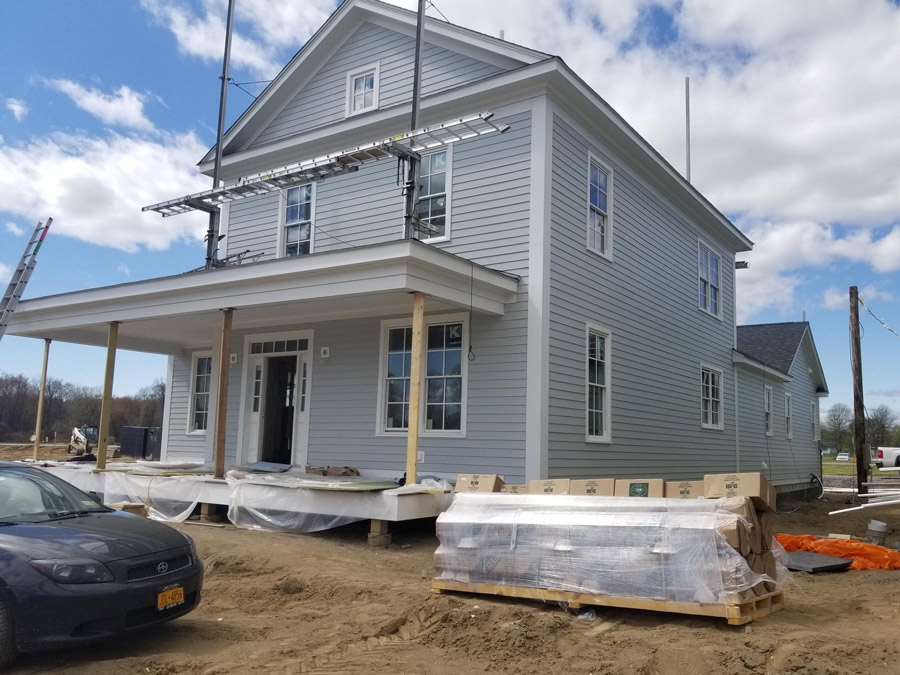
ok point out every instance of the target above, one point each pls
(328, 603)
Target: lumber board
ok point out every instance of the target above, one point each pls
(735, 614)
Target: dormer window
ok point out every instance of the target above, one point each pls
(362, 90)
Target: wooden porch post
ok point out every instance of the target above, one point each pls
(222, 392)
(106, 404)
(40, 410)
(415, 381)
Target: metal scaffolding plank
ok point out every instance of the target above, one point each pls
(408, 144)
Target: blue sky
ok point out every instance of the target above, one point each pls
(106, 106)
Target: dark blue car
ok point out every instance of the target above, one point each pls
(74, 570)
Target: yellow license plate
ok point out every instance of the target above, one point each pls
(170, 597)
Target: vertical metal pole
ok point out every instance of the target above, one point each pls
(106, 404)
(222, 392)
(413, 176)
(212, 234)
(415, 382)
(687, 127)
(40, 410)
(859, 408)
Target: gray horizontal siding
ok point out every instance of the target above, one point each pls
(322, 100)
(784, 461)
(182, 445)
(647, 298)
(253, 225)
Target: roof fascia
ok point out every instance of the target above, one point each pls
(497, 89)
(818, 370)
(332, 35)
(742, 359)
(611, 125)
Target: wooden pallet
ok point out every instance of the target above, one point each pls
(736, 614)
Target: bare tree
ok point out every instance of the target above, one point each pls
(879, 425)
(838, 421)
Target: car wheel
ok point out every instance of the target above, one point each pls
(8, 651)
(897, 461)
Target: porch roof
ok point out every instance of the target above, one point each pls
(168, 314)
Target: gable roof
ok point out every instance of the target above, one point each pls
(776, 345)
(332, 34)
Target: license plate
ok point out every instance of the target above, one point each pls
(170, 597)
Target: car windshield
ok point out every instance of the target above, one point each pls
(34, 496)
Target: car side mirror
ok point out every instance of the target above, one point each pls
(93, 495)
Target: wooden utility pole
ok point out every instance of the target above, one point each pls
(40, 410)
(222, 392)
(415, 391)
(859, 408)
(106, 403)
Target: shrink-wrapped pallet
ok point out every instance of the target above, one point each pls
(663, 549)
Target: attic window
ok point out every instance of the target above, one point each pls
(362, 90)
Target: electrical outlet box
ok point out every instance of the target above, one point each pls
(420, 456)
(232, 358)
(325, 352)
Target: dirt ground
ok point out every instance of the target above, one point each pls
(55, 452)
(328, 603)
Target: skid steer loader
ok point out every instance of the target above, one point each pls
(83, 440)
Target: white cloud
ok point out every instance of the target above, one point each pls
(5, 273)
(262, 29)
(17, 108)
(839, 298)
(94, 187)
(784, 250)
(12, 228)
(124, 270)
(124, 107)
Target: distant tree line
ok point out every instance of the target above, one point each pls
(882, 428)
(67, 405)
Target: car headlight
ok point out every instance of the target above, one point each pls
(74, 571)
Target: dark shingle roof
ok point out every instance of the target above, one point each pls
(773, 344)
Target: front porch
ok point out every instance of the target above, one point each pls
(287, 361)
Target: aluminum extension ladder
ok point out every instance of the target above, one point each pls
(22, 274)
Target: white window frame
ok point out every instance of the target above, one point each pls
(282, 226)
(767, 410)
(606, 334)
(788, 416)
(700, 280)
(430, 320)
(375, 70)
(721, 399)
(190, 420)
(447, 195)
(604, 167)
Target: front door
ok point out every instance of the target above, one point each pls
(278, 412)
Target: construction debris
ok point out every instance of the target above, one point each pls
(805, 561)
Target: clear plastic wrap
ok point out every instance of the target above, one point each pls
(663, 549)
(169, 498)
(274, 508)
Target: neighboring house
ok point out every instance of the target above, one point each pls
(580, 311)
(780, 381)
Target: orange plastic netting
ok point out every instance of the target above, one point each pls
(864, 556)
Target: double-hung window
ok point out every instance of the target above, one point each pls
(599, 229)
(200, 385)
(711, 398)
(709, 267)
(788, 416)
(767, 404)
(597, 381)
(442, 378)
(362, 90)
(433, 194)
(298, 220)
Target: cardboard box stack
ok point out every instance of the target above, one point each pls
(625, 540)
